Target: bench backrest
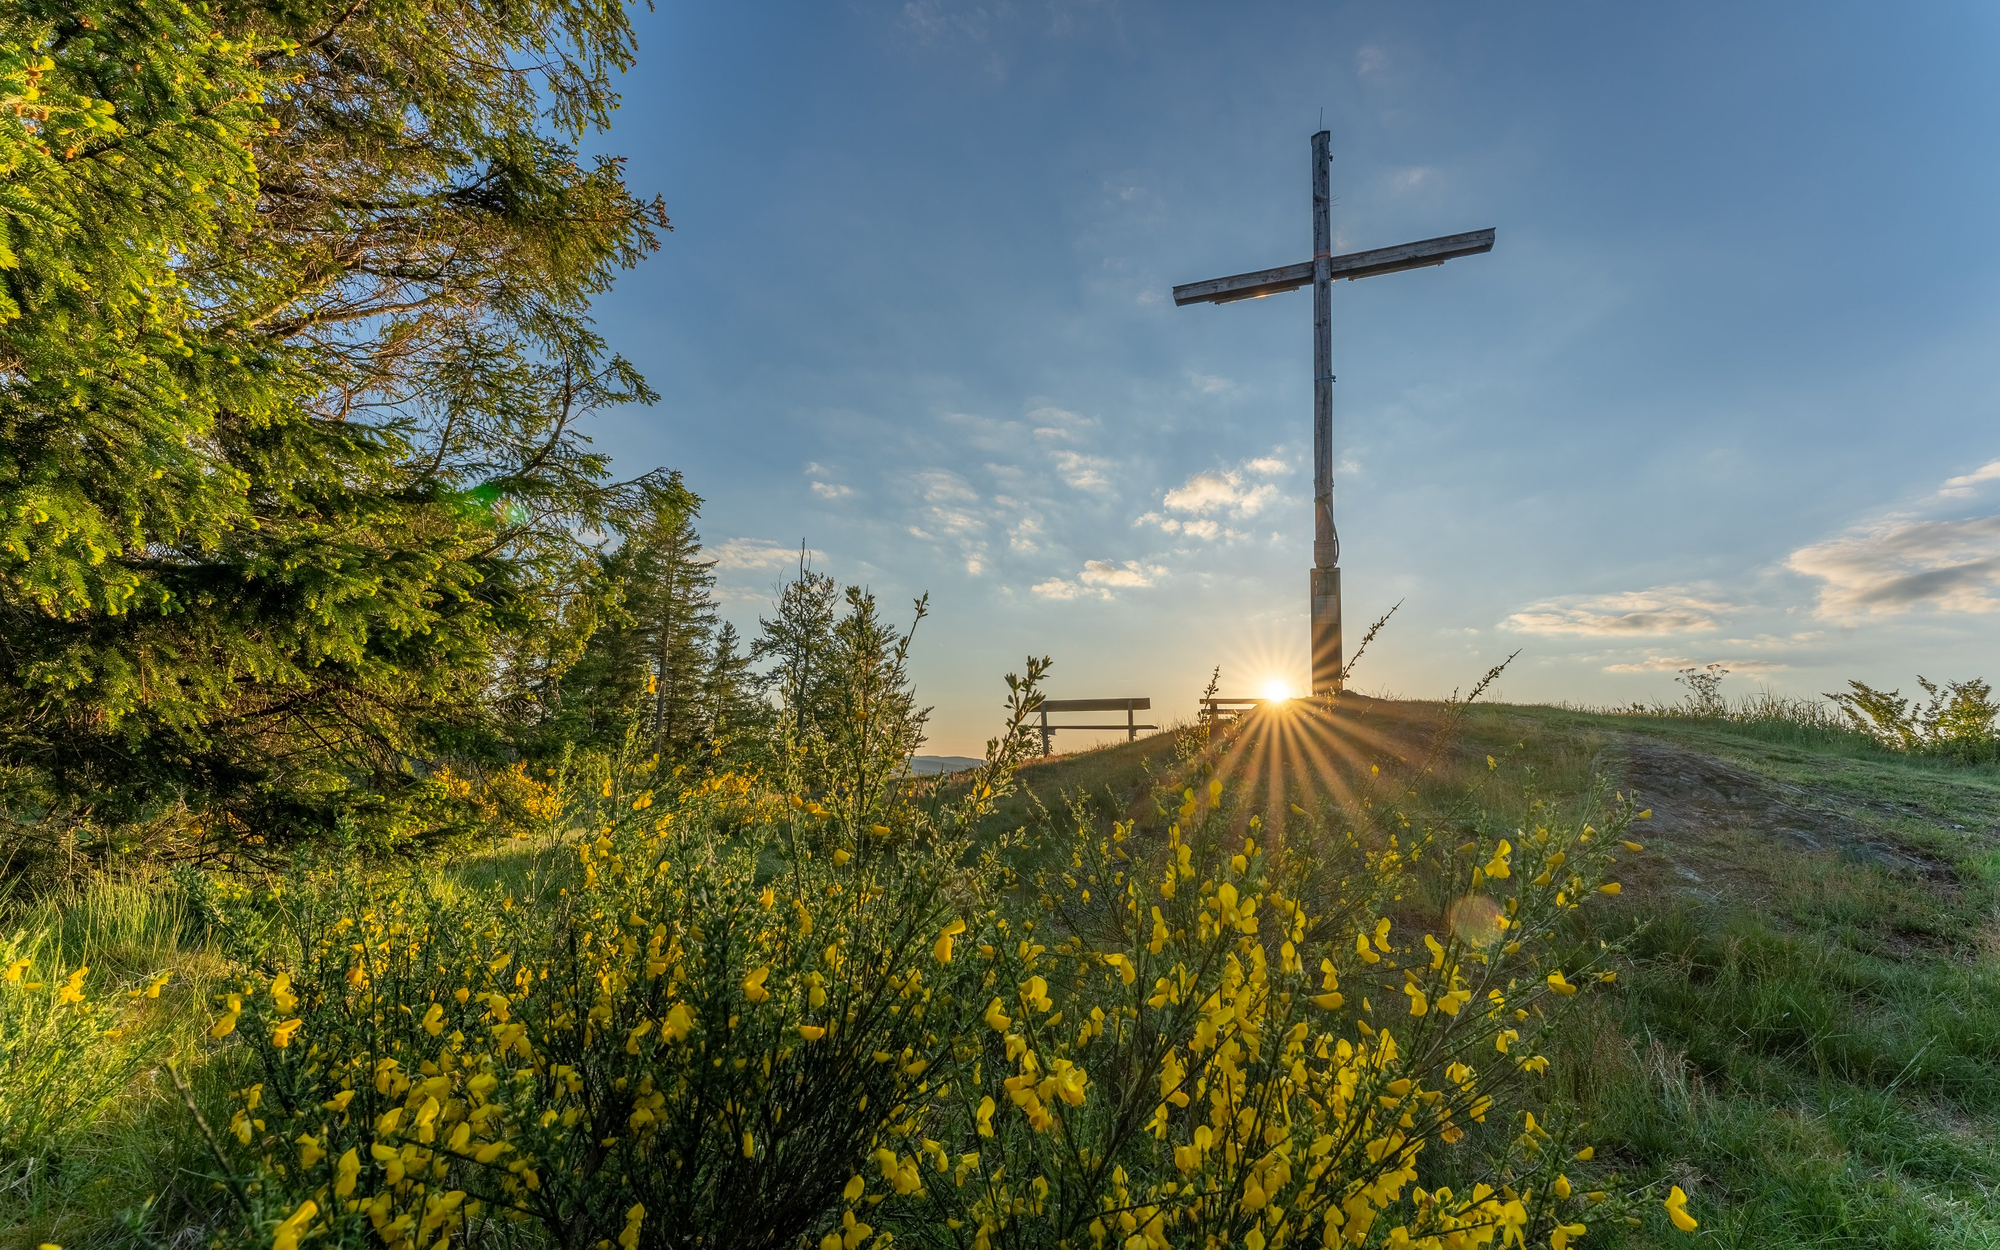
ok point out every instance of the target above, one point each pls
(1092, 705)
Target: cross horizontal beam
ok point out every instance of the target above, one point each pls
(1352, 265)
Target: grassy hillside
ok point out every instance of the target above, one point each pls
(1804, 1034)
(1806, 1031)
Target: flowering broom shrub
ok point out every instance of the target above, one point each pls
(722, 1016)
(707, 1004)
(1177, 1049)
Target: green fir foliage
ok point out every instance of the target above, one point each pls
(294, 503)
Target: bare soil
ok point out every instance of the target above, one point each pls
(1696, 796)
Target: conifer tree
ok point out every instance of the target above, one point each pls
(294, 350)
(673, 609)
(799, 640)
(649, 671)
(869, 724)
(733, 696)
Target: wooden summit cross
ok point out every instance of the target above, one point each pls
(1321, 271)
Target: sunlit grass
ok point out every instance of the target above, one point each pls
(1804, 1039)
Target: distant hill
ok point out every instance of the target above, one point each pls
(930, 765)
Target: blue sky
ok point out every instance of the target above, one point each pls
(1725, 391)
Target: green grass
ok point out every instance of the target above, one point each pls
(1809, 1036)
(131, 1139)
(119, 1140)
(1806, 1031)
(1805, 1034)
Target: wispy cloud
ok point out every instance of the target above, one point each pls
(942, 488)
(1108, 573)
(1058, 425)
(824, 488)
(756, 553)
(1923, 556)
(1900, 564)
(1636, 613)
(1203, 527)
(1081, 471)
(1226, 491)
(1966, 485)
(1206, 500)
(1026, 535)
(1675, 663)
(1101, 578)
(954, 511)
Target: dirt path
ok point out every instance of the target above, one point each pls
(1695, 797)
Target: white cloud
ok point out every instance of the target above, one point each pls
(1209, 384)
(953, 515)
(1207, 497)
(1202, 528)
(756, 553)
(1966, 485)
(1660, 610)
(1129, 573)
(1081, 471)
(951, 502)
(1675, 663)
(1101, 578)
(1058, 424)
(1023, 537)
(825, 489)
(1220, 490)
(1370, 59)
(943, 486)
(1901, 563)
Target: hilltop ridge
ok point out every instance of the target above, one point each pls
(1806, 1028)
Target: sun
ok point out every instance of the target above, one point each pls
(1277, 690)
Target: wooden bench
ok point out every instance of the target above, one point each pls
(1223, 711)
(1129, 706)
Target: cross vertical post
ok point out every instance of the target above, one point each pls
(1322, 271)
(1325, 575)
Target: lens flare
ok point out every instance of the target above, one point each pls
(1277, 690)
(1477, 920)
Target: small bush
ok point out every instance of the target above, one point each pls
(1957, 723)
